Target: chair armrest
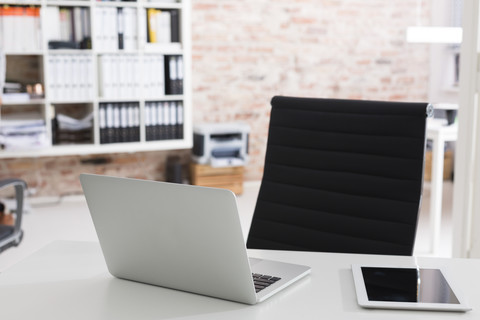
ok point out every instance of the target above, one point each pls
(20, 187)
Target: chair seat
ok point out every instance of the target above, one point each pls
(6, 231)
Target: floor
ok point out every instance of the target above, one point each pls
(50, 219)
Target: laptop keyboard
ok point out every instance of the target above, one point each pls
(262, 281)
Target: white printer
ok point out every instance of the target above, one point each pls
(221, 144)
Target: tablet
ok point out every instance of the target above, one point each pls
(415, 288)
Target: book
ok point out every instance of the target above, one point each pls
(120, 28)
(170, 74)
(70, 77)
(20, 28)
(68, 27)
(136, 113)
(163, 21)
(175, 26)
(102, 122)
(173, 120)
(180, 116)
(130, 29)
(66, 32)
(86, 40)
(116, 123)
(108, 22)
(179, 84)
(124, 134)
(152, 25)
(131, 127)
(121, 76)
(109, 123)
(143, 28)
(148, 122)
(119, 122)
(174, 71)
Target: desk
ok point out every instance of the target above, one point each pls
(439, 134)
(69, 280)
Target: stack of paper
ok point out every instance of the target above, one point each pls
(70, 130)
(16, 134)
(72, 124)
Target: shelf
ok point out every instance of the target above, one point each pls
(68, 3)
(23, 53)
(161, 5)
(21, 103)
(137, 99)
(57, 102)
(117, 52)
(79, 74)
(120, 4)
(70, 51)
(163, 48)
(21, 3)
(170, 97)
(125, 147)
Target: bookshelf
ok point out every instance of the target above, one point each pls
(116, 79)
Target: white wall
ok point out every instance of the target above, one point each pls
(466, 203)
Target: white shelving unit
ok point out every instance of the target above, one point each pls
(50, 104)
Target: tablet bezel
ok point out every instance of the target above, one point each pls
(363, 301)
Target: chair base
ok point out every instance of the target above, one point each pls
(13, 240)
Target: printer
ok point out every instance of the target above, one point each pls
(221, 144)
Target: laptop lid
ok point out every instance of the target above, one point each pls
(183, 237)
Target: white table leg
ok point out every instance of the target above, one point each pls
(436, 192)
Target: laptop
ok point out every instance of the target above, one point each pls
(181, 237)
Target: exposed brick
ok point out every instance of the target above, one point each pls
(23, 164)
(198, 5)
(303, 20)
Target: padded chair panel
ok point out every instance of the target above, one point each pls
(388, 146)
(333, 223)
(345, 182)
(347, 120)
(336, 203)
(333, 242)
(349, 162)
(341, 176)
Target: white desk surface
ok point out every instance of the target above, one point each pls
(69, 280)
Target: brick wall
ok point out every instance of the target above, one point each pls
(51, 176)
(246, 51)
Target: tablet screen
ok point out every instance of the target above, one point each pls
(407, 285)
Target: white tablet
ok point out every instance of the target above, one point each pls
(391, 287)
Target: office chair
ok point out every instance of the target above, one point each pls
(341, 176)
(13, 235)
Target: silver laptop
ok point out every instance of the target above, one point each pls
(182, 237)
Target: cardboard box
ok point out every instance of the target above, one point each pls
(225, 177)
(447, 165)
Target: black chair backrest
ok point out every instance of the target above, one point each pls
(341, 176)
